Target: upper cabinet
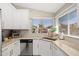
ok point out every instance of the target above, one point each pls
(13, 18)
(23, 19)
(8, 13)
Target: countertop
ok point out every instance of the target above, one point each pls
(71, 51)
(62, 44)
(6, 43)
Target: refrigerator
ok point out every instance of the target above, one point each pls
(0, 35)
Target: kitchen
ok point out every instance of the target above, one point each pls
(39, 29)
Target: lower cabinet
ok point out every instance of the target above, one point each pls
(12, 49)
(7, 51)
(41, 48)
(56, 51)
(36, 47)
(16, 48)
(46, 48)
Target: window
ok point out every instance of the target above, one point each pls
(73, 21)
(41, 25)
(69, 20)
(63, 24)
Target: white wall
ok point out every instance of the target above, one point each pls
(26, 33)
(36, 13)
(62, 9)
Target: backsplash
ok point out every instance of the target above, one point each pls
(28, 33)
(25, 33)
(5, 33)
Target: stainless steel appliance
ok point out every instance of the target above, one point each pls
(28, 50)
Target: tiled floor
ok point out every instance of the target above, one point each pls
(28, 51)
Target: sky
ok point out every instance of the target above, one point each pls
(70, 17)
(46, 22)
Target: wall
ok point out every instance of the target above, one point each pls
(5, 33)
(26, 33)
(36, 13)
(63, 9)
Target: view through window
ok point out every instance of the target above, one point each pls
(41, 25)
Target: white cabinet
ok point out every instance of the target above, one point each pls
(12, 49)
(56, 51)
(41, 47)
(35, 47)
(13, 18)
(23, 19)
(44, 48)
(7, 51)
(16, 48)
(8, 12)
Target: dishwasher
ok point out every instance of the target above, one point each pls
(26, 46)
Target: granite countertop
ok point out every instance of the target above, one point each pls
(6, 43)
(71, 51)
(62, 44)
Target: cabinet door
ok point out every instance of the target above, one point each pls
(7, 15)
(44, 48)
(23, 19)
(58, 52)
(13, 17)
(16, 48)
(35, 47)
(7, 51)
(52, 49)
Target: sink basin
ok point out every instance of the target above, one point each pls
(49, 38)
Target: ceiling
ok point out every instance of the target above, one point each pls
(46, 7)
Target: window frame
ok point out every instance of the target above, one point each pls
(67, 12)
